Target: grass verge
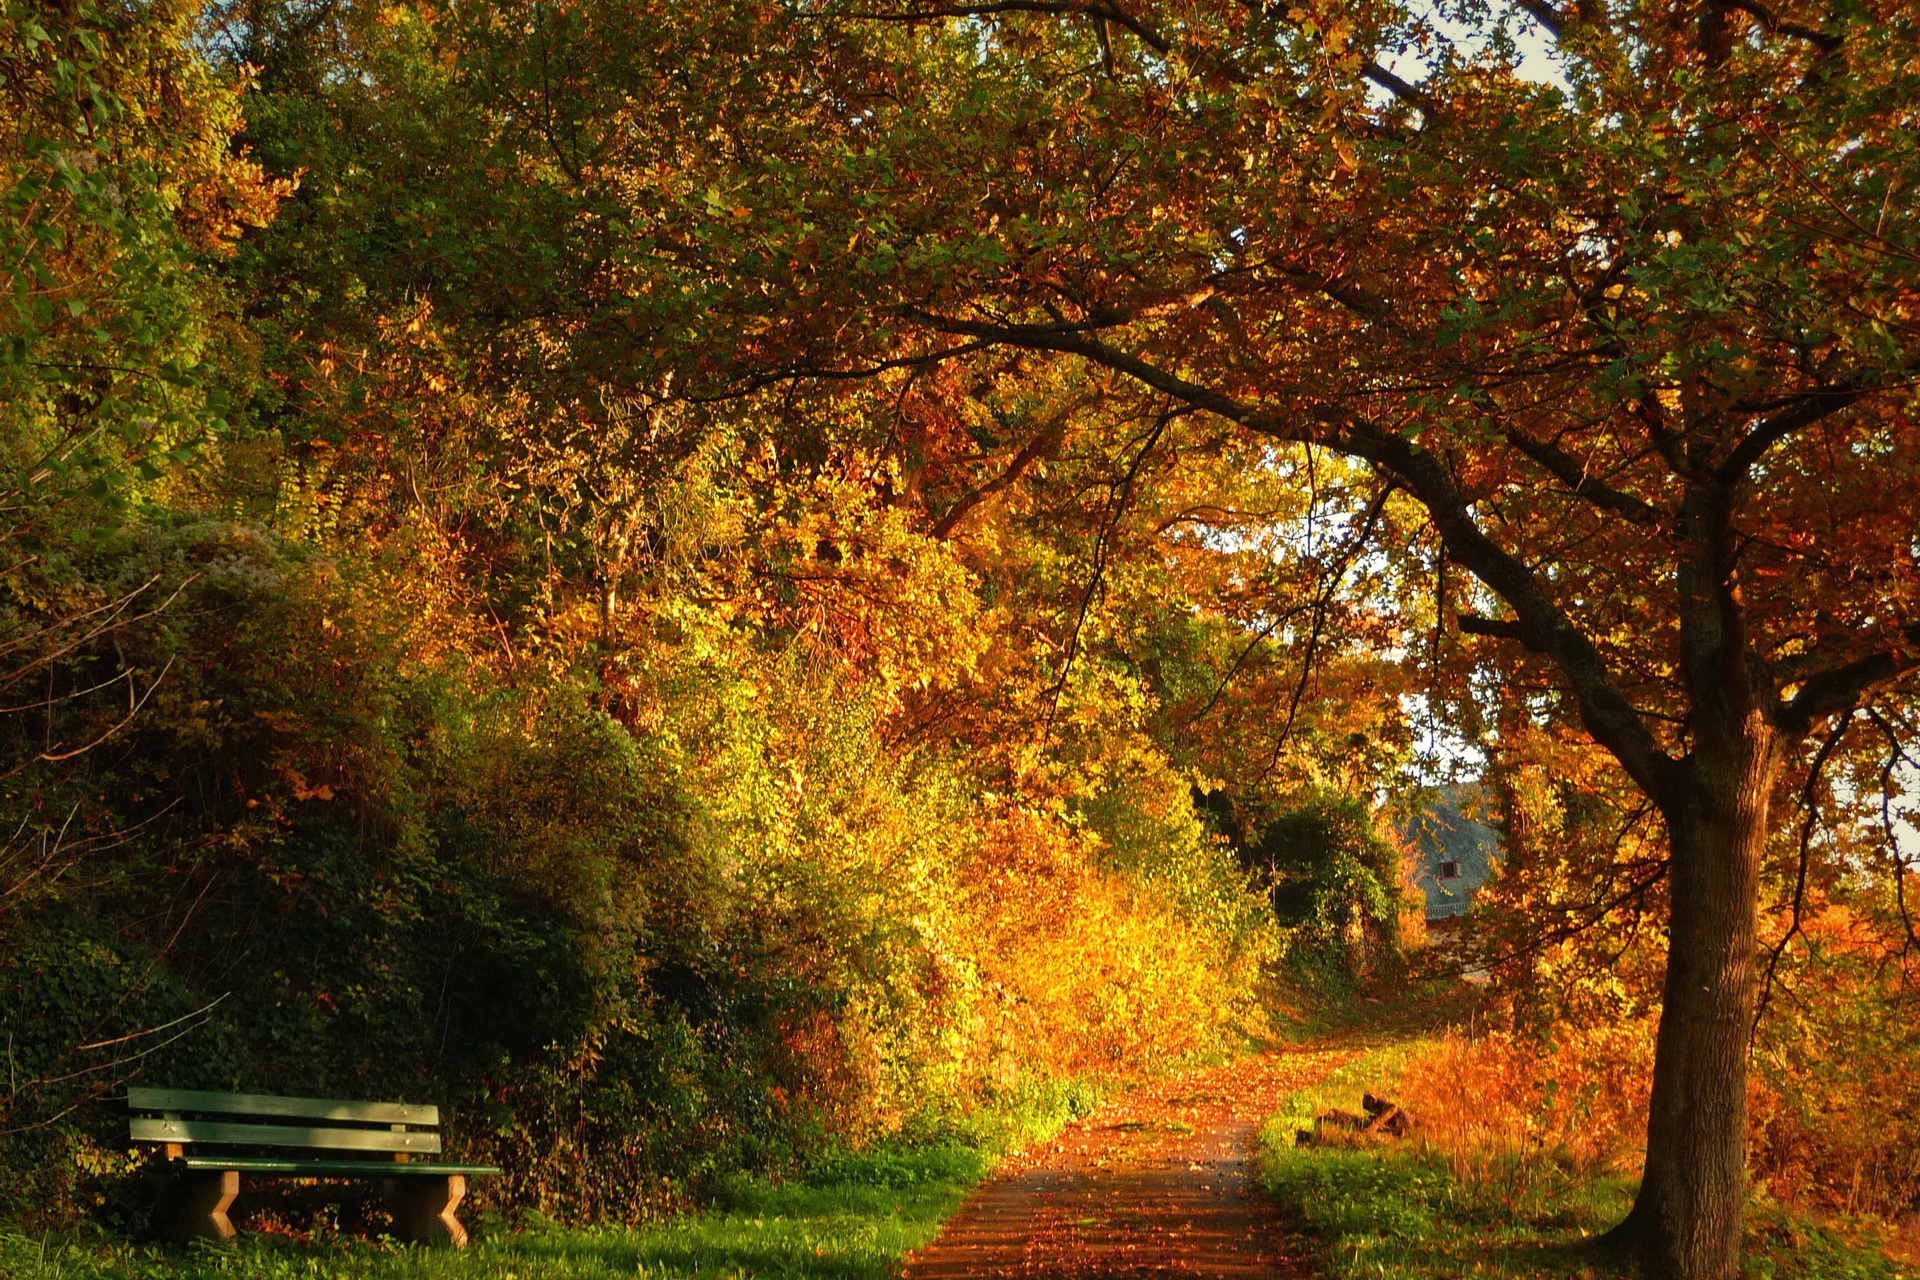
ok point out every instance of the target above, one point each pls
(1408, 1212)
(851, 1216)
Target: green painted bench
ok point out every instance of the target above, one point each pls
(207, 1140)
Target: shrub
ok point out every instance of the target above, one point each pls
(1336, 889)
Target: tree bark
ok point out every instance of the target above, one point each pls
(1686, 1222)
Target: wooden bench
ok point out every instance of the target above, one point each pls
(281, 1137)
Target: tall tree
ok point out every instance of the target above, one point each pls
(1637, 334)
(1635, 330)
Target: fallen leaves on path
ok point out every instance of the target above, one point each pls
(1159, 1183)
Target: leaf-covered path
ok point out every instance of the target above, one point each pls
(1159, 1183)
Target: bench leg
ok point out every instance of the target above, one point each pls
(198, 1203)
(422, 1209)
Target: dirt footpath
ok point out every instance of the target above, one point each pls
(1160, 1183)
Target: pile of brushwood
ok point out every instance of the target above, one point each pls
(1382, 1120)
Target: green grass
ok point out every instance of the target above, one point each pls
(1402, 1212)
(853, 1225)
(850, 1217)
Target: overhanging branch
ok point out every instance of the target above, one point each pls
(1051, 8)
(1604, 709)
(1803, 412)
(1546, 15)
(1841, 689)
(1824, 41)
(1498, 628)
(1571, 472)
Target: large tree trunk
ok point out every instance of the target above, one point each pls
(1686, 1221)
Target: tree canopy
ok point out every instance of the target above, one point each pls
(770, 454)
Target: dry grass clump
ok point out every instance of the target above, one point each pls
(1835, 1105)
(1500, 1108)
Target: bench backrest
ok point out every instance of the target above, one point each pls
(258, 1119)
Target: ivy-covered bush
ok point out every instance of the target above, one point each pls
(1335, 885)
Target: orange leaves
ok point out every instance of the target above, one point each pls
(1579, 1099)
(302, 790)
(1836, 1095)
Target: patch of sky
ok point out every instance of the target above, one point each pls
(1446, 757)
(1473, 31)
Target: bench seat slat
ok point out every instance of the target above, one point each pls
(141, 1129)
(332, 1168)
(265, 1104)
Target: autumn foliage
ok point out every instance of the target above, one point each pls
(642, 780)
(702, 581)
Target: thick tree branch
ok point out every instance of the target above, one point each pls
(1546, 15)
(1803, 412)
(1371, 70)
(1824, 41)
(1498, 628)
(1604, 709)
(1720, 668)
(1841, 689)
(1106, 13)
(1052, 8)
(1569, 470)
(1393, 84)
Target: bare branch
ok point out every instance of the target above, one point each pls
(152, 1031)
(1116, 508)
(186, 1025)
(1323, 594)
(54, 757)
(1246, 652)
(1896, 754)
(1600, 909)
(1809, 819)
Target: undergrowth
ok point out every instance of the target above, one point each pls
(1414, 1211)
(851, 1216)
